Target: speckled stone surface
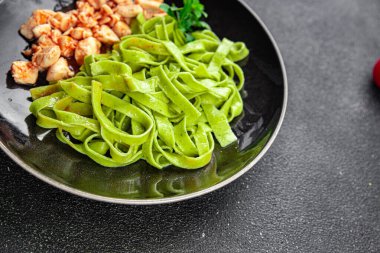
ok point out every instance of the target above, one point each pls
(316, 190)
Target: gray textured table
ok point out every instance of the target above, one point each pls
(316, 190)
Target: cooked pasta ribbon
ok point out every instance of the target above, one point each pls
(153, 97)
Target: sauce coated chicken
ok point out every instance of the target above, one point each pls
(75, 34)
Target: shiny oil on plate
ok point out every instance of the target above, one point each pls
(40, 153)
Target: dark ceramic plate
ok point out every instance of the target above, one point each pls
(38, 151)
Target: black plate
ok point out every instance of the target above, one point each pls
(40, 153)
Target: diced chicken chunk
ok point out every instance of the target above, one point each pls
(114, 19)
(85, 8)
(39, 30)
(148, 14)
(96, 4)
(151, 8)
(104, 20)
(45, 41)
(55, 35)
(63, 21)
(24, 72)
(67, 45)
(86, 15)
(80, 33)
(150, 4)
(46, 56)
(59, 71)
(121, 29)
(106, 35)
(39, 17)
(106, 10)
(86, 47)
(129, 11)
(26, 29)
(42, 16)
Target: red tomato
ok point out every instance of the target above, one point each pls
(376, 73)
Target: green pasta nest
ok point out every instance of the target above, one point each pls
(153, 97)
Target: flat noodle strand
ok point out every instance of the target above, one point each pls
(152, 97)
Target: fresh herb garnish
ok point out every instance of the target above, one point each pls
(188, 17)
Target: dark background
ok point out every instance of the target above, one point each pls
(316, 190)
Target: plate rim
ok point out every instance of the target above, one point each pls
(168, 200)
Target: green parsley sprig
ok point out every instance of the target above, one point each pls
(188, 17)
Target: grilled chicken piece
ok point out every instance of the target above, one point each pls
(39, 17)
(121, 29)
(86, 47)
(106, 35)
(129, 11)
(59, 71)
(24, 72)
(44, 57)
(40, 30)
(67, 46)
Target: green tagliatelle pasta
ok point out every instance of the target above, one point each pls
(154, 97)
